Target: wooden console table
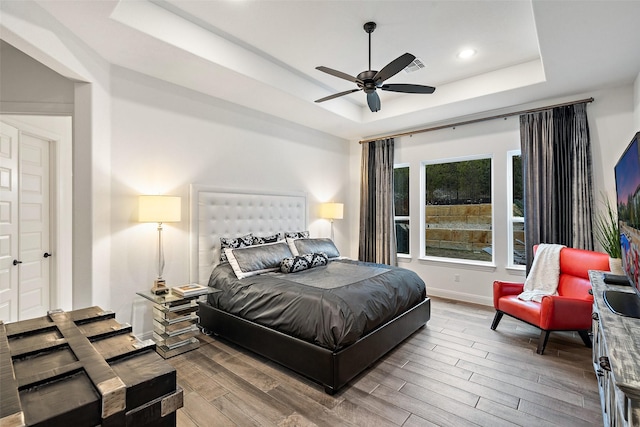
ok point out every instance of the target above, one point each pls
(616, 358)
(83, 368)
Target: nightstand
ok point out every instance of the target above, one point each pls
(175, 321)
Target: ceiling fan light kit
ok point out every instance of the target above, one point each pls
(371, 80)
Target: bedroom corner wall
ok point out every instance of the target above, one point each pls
(165, 138)
(611, 129)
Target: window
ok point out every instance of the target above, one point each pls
(458, 209)
(401, 204)
(515, 214)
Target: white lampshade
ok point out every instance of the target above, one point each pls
(332, 210)
(159, 209)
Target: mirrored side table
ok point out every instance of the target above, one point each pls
(175, 321)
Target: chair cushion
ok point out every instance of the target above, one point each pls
(529, 311)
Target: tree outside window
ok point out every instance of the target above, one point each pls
(458, 209)
(517, 243)
(401, 204)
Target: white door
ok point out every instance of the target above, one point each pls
(8, 222)
(28, 269)
(33, 294)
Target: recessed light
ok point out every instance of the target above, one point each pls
(466, 53)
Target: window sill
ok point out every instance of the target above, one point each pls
(473, 265)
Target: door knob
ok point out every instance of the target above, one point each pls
(16, 262)
(47, 255)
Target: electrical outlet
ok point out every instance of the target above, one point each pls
(456, 277)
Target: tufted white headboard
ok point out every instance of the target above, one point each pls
(219, 213)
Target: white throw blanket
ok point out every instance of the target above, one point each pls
(544, 274)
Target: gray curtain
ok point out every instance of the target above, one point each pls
(377, 225)
(556, 157)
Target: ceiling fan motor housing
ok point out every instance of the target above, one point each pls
(368, 84)
(369, 27)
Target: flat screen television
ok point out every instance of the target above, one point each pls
(627, 173)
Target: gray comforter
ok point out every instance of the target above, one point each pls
(331, 306)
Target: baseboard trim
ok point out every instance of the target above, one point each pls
(460, 296)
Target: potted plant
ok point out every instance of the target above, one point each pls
(607, 233)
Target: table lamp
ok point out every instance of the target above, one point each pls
(159, 209)
(332, 211)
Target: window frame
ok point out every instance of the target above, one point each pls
(423, 223)
(511, 220)
(402, 217)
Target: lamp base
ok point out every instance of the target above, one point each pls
(159, 287)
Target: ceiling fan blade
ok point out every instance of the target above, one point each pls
(335, 95)
(393, 67)
(340, 74)
(408, 88)
(374, 101)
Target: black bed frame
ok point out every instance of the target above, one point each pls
(328, 368)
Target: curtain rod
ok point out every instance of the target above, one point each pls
(498, 116)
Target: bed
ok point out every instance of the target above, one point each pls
(246, 313)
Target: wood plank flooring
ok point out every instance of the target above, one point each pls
(454, 372)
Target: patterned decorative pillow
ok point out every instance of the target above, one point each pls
(261, 240)
(303, 262)
(296, 234)
(233, 243)
(310, 246)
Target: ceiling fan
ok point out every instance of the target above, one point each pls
(371, 80)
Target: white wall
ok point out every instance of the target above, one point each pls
(611, 128)
(31, 30)
(165, 138)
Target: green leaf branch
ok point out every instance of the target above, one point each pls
(607, 230)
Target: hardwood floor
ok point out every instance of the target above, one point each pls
(455, 371)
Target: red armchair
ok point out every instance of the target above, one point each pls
(570, 310)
